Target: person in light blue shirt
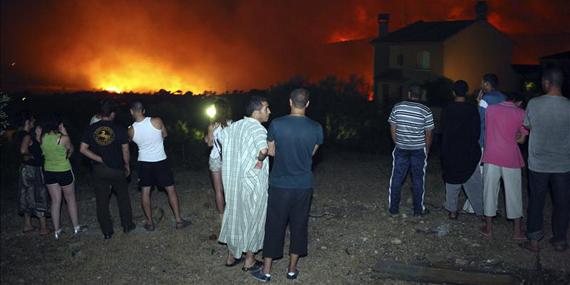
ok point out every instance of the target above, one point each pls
(488, 95)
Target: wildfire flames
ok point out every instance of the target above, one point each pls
(225, 45)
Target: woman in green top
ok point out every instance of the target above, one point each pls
(57, 148)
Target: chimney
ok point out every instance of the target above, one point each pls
(481, 10)
(383, 21)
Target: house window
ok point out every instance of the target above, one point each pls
(400, 59)
(423, 60)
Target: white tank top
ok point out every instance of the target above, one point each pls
(149, 140)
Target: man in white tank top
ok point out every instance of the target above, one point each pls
(149, 133)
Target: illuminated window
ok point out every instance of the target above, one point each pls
(423, 60)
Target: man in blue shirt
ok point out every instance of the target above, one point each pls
(292, 140)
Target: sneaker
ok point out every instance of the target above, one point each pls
(422, 213)
(293, 275)
(259, 275)
(79, 229)
(57, 234)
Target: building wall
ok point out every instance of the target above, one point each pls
(477, 50)
(401, 58)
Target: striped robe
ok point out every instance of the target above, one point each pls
(245, 187)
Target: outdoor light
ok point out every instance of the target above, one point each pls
(211, 111)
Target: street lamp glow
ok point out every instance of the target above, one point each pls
(211, 111)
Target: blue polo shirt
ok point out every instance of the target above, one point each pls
(295, 138)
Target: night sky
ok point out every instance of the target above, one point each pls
(220, 45)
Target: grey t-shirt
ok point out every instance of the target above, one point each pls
(548, 119)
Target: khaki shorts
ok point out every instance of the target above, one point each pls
(215, 164)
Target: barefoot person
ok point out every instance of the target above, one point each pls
(222, 120)
(460, 151)
(502, 159)
(106, 144)
(57, 148)
(149, 133)
(548, 119)
(411, 126)
(33, 195)
(293, 140)
(245, 178)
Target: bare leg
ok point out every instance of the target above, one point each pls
(146, 205)
(173, 200)
(69, 194)
(488, 227)
(249, 259)
(43, 226)
(28, 223)
(219, 190)
(55, 194)
(267, 262)
(294, 258)
(517, 231)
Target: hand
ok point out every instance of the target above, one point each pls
(62, 129)
(480, 95)
(258, 164)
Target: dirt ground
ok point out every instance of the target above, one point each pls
(349, 232)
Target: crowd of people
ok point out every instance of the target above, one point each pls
(480, 146)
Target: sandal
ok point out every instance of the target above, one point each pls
(255, 267)
(29, 230)
(528, 246)
(483, 231)
(452, 215)
(182, 224)
(149, 227)
(236, 262)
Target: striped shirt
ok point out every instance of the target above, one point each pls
(411, 120)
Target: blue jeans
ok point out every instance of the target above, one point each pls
(538, 183)
(404, 160)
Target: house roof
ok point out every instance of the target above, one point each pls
(561, 55)
(426, 31)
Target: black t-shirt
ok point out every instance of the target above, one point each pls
(105, 139)
(34, 149)
(460, 150)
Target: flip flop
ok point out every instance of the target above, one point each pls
(236, 262)
(519, 238)
(484, 233)
(182, 224)
(29, 230)
(255, 267)
(529, 247)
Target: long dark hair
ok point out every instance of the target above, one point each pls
(223, 112)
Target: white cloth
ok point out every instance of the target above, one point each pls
(149, 140)
(216, 150)
(513, 190)
(245, 187)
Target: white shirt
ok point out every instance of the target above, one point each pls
(149, 140)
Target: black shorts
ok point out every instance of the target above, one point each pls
(62, 178)
(155, 174)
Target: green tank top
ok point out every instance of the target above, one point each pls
(54, 154)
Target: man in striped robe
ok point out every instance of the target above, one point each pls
(245, 173)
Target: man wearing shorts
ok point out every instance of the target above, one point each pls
(149, 133)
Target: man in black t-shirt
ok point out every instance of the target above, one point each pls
(106, 144)
(460, 151)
